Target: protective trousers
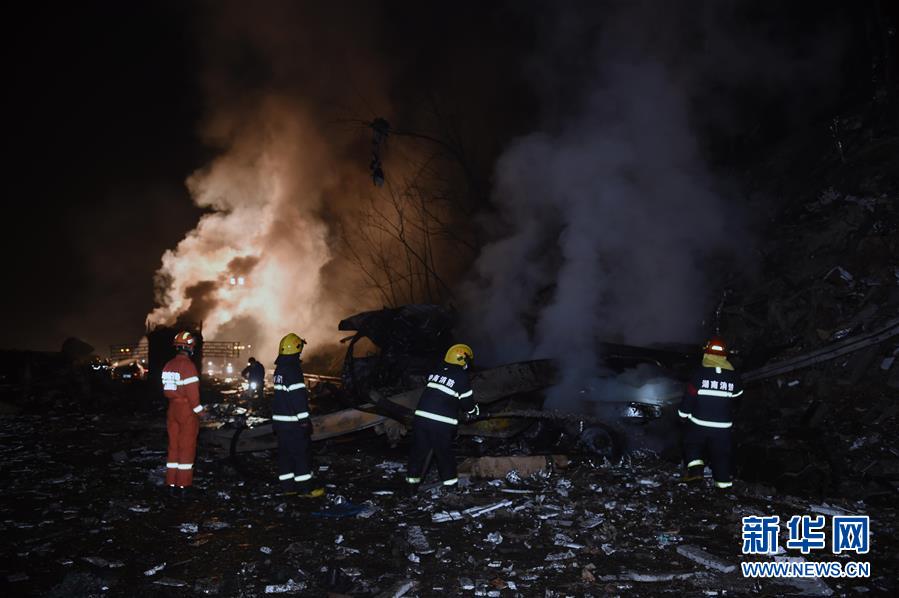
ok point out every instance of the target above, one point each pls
(294, 456)
(429, 435)
(714, 442)
(183, 426)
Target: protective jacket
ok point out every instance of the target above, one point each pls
(448, 392)
(709, 398)
(290, 420)
(181, 386)
(291, 403)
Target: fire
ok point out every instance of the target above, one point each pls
(251, 268)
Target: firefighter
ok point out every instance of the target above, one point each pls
(254, 374)
(181, 386)
(290, 420)
(436, 419)
(708, 408)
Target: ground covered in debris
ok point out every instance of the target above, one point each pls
(84, 514)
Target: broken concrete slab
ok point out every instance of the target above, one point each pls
(290, 587)
(399, 589)
(483, 510)
(698, 555)
(154, 570)
(560, 556)
(444, 516)
(170, 582)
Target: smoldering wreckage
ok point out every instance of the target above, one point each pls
(583, 501)
(578, 499)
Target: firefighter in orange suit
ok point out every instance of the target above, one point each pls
(181, 386)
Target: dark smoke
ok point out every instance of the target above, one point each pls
(202, 301)
(242, 266)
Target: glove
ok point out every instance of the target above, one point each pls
(470, 415)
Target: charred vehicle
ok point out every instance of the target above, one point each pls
(392, 349)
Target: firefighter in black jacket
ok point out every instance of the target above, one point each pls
(708, 406)
(254, 374)
(290, 420)
(434, 427)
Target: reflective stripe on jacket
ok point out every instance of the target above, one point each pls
(181, 381)
(709, 398)
(291, 402)
(447, 392)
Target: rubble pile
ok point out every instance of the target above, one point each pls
(84, 513)
(825, 423)
(830, 271)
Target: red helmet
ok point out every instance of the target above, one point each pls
(185, 340)
(716, 346)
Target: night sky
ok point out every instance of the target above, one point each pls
(108, 106)
(103, 118)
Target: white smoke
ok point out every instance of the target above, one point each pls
(607, 221)
(264, 194)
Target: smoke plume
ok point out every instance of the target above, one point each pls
(251, 268)
(263, 260)
(604, 217)
(607, 217)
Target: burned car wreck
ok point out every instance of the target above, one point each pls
(407, 340)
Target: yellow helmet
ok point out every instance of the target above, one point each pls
(291, 344)
(459, 355)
